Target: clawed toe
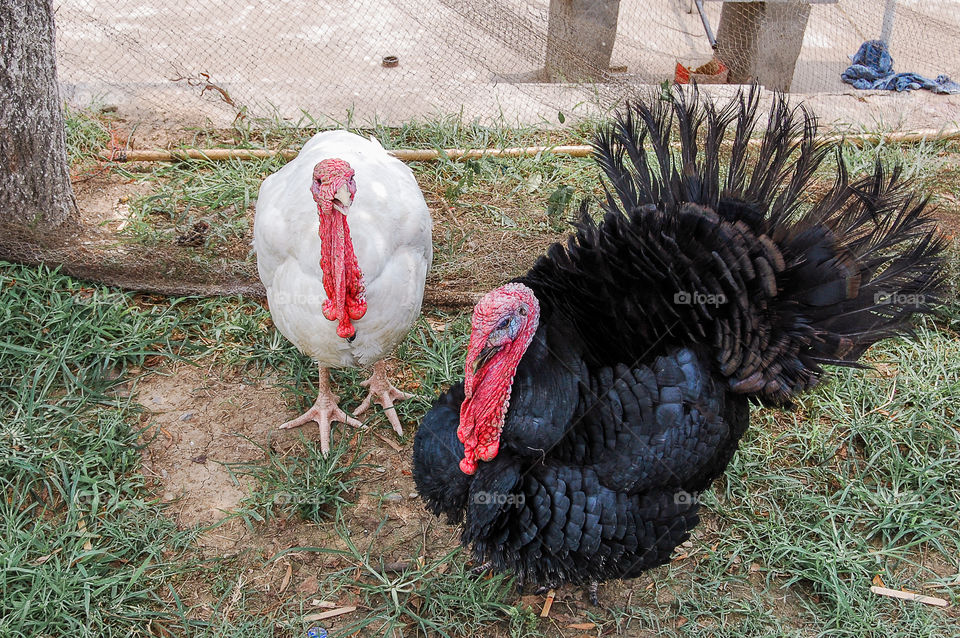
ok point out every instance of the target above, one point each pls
(592, 593)
(384, 394)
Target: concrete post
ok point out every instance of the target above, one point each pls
(580, 37)
(761, 41)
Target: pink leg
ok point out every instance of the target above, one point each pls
(324, 411)
(383, 393)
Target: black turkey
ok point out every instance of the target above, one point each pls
(609, 385)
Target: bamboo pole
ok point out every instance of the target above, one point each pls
(430, 155)
(407, 155)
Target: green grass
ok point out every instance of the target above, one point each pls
(861, 481)
(86, 134)
(437, 597)
(308, 485)
(82, 547)
(219, 193)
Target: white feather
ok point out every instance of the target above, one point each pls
(391, 230)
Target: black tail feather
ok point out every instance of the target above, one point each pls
(805, 280)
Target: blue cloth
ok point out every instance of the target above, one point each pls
(872, 68)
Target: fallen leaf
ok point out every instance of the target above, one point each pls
(309, 586)
(286, 579)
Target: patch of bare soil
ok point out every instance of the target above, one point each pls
(947, 212)
(103, 196)
(200, 422)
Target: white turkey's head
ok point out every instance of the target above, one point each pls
(333, 185)
(333, 190)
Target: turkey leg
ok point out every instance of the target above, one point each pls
(325, 411)
(383, 393)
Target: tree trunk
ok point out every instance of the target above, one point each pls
(580, 36)
(34, 176)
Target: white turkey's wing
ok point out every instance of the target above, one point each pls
(391, 231)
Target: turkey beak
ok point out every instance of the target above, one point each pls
(343, 198)
(484, 357)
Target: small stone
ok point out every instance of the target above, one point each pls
(186, 416)
(413, 495)
(393, 497)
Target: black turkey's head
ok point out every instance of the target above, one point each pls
(333, 189)
(503, 325)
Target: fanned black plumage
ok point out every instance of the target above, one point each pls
(785, 283)
(716, 274)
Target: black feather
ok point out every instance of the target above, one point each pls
(697, 291)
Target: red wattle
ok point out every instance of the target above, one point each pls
(487, 387)
(342, 278)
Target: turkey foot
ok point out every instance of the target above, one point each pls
(383, 393)
(324, 411)
(592, 593)
(481, 569)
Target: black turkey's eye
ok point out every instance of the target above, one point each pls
(503, 323)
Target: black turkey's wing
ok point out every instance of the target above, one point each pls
(436, 457)
(645, 428)
(556, 523)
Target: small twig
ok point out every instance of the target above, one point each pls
(323, 615)
(889, 400)
(548, 603)
(205, 85)
(386, 440)
(909, 595)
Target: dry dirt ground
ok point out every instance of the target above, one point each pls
(204, 421)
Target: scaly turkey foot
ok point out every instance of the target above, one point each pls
(383, 393)
(543, 590)
(592, 593)
(479, 570)
(324, 411)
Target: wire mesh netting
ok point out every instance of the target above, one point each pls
(522, 60)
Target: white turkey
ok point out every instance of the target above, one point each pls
(343, 242)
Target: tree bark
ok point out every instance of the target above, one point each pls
(34, 175)
(580, 37)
